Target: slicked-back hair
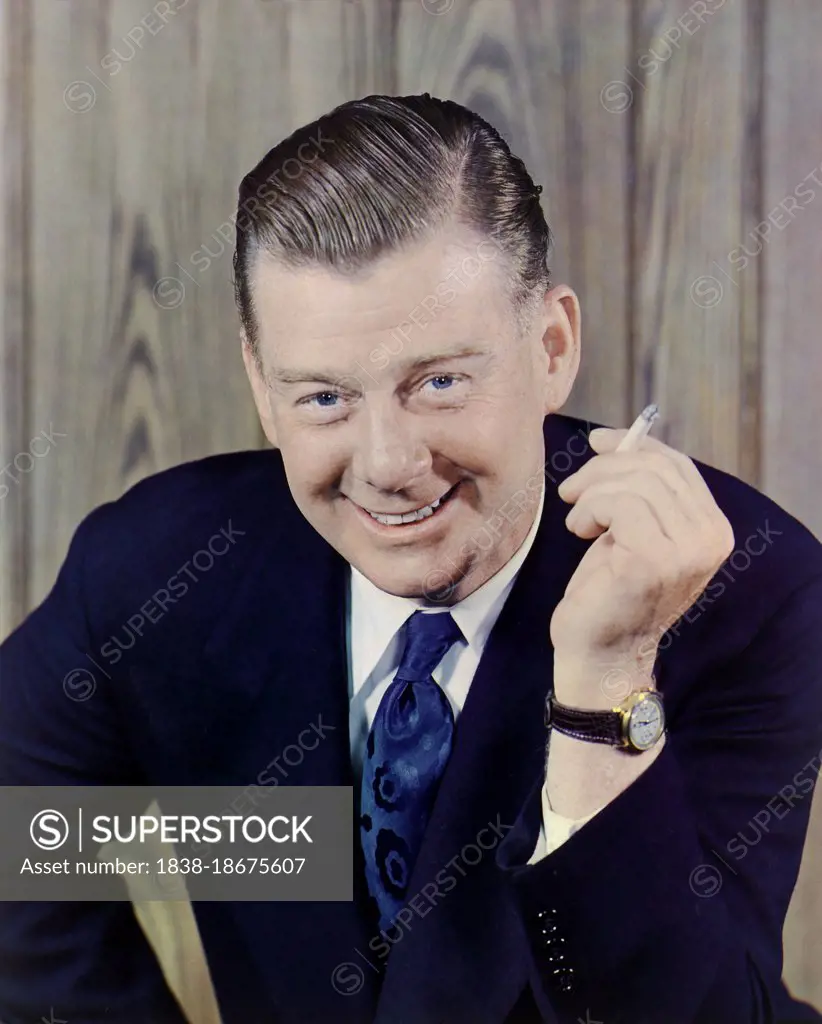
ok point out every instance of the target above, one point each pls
(377, 174)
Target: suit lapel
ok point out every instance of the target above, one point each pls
(279, 659)
(465, 957)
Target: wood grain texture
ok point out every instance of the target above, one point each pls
(689, 84)
(749, 466)
(134, 342)
(791, 259)
(15, 460)
(789, 248)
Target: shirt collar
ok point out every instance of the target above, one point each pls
(376, 617)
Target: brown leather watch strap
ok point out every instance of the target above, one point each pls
(593, 726)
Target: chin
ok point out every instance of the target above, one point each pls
(428, 581)
(393, 582)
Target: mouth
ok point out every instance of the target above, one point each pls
(418, 515)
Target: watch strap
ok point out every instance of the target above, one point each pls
(593, 726)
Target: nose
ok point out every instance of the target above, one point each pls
(389, 455)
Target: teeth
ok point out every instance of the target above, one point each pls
(408, 517)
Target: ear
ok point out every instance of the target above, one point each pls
(560, 345)
(259, 388)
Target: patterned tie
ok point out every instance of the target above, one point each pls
(407, 750)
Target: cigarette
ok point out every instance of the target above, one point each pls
(639, 428)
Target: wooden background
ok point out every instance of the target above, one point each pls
(662, 141)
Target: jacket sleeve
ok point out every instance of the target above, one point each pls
(667, 907)
(77, 961)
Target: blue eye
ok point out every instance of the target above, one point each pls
(325, 400)
(442, 381)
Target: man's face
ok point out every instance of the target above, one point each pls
(409, 411)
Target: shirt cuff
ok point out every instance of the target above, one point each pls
(555, 829)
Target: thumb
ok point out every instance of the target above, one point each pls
(605, 439)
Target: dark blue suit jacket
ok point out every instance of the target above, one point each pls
(667, 907)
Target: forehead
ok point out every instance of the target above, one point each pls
(451, 289)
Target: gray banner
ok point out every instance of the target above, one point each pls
(116, 843)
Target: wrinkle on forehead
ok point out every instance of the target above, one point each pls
(440, 289)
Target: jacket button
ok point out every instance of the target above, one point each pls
(547, 917)
(564, 979)
(553, 943)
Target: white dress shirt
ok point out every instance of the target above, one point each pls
(374, 621)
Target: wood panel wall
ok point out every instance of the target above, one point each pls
(667, 135)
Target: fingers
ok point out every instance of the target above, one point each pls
(648, 513)
(676, 469)
(667, 508)
(658, 537)
(629, 468)
(605, 440)
(630, 519)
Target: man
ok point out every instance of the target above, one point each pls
(429, 555)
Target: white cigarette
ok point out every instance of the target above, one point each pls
(639, 428)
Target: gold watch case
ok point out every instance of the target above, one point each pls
(630, 712)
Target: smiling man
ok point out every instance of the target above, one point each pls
(399, 468)
(409, 579)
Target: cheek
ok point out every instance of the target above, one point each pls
(313, 466)
(489, 441)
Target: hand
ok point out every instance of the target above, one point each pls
(659, 539)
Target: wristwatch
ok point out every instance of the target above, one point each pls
(634, 725)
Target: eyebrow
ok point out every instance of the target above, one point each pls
(282, 376)
(276, 376)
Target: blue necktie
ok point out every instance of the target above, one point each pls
(407, 750)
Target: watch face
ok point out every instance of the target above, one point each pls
(646, 723)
